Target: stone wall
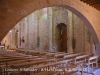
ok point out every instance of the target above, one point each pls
(60, 15)
(39, 31)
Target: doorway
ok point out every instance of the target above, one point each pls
(62, 37)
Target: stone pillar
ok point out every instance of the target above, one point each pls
(92, 46)
(53, 31)
(84, 37)
(79, 35)
(19, 36)
(50, 21)
(69, 32)
(35, 24)
(12, 38)
(55, 48)
(37, 30)
(97, 50)
(26, 32)
(87, 41)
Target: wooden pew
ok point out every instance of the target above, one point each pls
(60, 52)
(16, 65)
(71, 57)
(48, 65)
(91, 61)
(43, 54)
(5, 53)
(34, 53)
(13, 54)
(24, 61)
(9, 61)
(59, 57)
(59, 70)
(82, 58)
(50, 55)
(54, 54)
(27, 64)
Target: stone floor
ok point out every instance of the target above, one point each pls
(92, 71)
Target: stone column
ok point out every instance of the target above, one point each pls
(69, 32)
(83, 37)
(35, 23)
(92, 49)
(26, 31)
(54, 45)
(97, 50)
(37, 29)
(13, 38)
(50, 21)
(10, 38)
(19, 36)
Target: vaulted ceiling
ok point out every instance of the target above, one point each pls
(93, 3)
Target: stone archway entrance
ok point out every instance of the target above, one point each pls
(62, 37)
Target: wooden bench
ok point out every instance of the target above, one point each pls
(91, 61)
(59, 57)
(27, 64)
(50, 55)
(82, 58)
(24, 61)
(59, 70)
(71, 57)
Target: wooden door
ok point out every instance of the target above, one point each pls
(64, 40)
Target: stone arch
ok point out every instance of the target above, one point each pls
(61, 26)
(77, 7)
(75, 11)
